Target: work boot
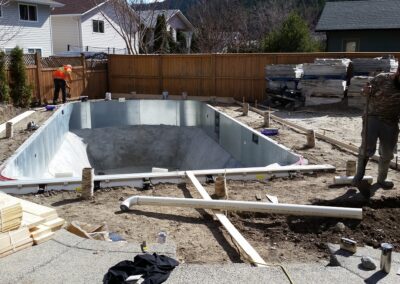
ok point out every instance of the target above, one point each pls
(361, 165)
(383, 169)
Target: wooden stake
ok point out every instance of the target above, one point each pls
(220, 187)
(267, 119)
(87, 183)
(9, 130)
(310, 138)
(245, 109)
(350, 168)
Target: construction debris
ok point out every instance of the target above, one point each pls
(368, 263)
(88, 231)
(348, 245)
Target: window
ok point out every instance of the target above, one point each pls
(98, 26)
(8, 50)
(351, 45)
(27, 12)
(1, 10)
(35, 50)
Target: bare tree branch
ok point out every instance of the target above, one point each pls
(8, 28)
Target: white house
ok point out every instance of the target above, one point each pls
(28, 25)
(175, 20)
(86, 26)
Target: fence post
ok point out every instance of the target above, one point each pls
(160, 73)
(39, 76)
(214, 74)
(83, 63)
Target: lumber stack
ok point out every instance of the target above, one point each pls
(37, 224)
(354, 92)
(14, 241)
(10, 215)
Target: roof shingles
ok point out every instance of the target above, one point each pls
(360, 15)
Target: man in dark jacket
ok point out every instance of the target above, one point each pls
(380, 120)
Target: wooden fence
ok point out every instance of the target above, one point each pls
(87, 79)
(222, 75)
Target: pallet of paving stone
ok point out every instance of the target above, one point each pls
(357, 83)
(371, 66)
(10, 214)
(14, 241)
(323, 88)
(283, 71)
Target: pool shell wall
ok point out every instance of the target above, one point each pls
(247, 146)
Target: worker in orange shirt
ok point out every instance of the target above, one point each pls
(62, 79)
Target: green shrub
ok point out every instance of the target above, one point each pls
(4, 88)
(293, 36)
(21, 92)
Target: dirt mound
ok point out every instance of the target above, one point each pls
(380, 223)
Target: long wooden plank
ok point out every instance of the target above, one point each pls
(29, 220)
(239, 239)
(27, 244)
(17, 119)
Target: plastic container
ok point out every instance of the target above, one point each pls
(51, 107)
(270, 132)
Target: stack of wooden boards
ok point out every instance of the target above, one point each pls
(24, 223)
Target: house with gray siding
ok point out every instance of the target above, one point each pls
(364, 26)
(88, 26)
(27, 24)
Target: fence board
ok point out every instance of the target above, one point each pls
(223, 75)
(96, 78)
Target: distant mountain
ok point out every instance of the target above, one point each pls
(185, 5)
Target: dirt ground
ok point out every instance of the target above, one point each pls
(7, 112)
(200, 239)
(8, 146)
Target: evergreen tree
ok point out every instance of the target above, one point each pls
(161, 36)
(21, 92)
(4, 89)
(293, 36)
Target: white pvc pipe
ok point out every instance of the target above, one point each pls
(230, 205)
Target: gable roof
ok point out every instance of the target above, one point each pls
(76, 7)
(149, 17)
(360, 15)
(45, 2)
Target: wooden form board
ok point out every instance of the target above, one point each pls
(16, 119)
(256, 259)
